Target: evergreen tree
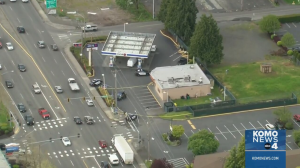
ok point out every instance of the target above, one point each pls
(231, 161)
(236, 157)
(163, 10)
(206, 42)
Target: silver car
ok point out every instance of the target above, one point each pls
(89, 102)
(41, 44)
(58, 89)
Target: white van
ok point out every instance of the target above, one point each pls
(131, 62)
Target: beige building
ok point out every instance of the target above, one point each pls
(180, 80)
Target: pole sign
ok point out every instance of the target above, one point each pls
(51, 4)
(92, 46)
(77, 44)
(265, 148)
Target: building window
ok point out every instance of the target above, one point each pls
(158, 90)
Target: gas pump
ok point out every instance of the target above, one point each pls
(111, 62)
(139, 63)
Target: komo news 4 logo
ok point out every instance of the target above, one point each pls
(265, 140)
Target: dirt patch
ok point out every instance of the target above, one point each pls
(110, 17)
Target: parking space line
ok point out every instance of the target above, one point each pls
(294, 24)
(252, 125)
(237, 129)
(288, 25)
(243, 126)
(230, 132)
(192, 131)
(222, 133)
(212, 132)
(268, 122)
(148, 102)
(186, 135)
(295, 122)
(260, 124)
(191, 124)
(297, 145)
(288, 146)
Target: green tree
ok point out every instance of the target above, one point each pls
(206, 42)
(177, 131)
(181, 17)
(269, 24)
(203, 142)
(288, 40)
(191, 165)
(163, 10)
(283, 114)
(296, 135)
(236, 157)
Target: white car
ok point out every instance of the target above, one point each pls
(89, 102)
(153, 48)
(66, 141)
(13, 0)
(0, 66)
(24, 0)
(270, 127)
(9, 46)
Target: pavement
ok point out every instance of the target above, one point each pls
(48, 69)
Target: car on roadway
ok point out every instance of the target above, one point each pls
(29, 119)
(24, 1)
(2, 2)
(9, 46)
(95, 82)
(131, 117)
(2, 146)
(54, 47)
(270, 127)
(22, 67)
(77, 120)
(36, 88)
(153, 48)
(1, 45)
(297, 117)
(104, 164)
(66, 141)
(21, 107)
(9, 84)
(58, 89)
(21, 29)
(142, 73)
(89, 120)
(121, 95)
(41, 44)
(89, 102)
(13, 0)
(0, 66)
(182, 61)
(102, 143)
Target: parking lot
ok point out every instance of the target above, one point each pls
(229, 129)
(293, 28)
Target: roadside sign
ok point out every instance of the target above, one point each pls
(52, 12)
(92, 45)
(77, 44)
(89, 49)
(51, 4)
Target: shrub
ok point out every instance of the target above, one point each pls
(108, 100)
(289, 18)
(165, 137)
(289, 125)
(15, 166)
(273, 35)
(279, 43)
(290, 52)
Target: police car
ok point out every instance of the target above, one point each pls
(96, 82)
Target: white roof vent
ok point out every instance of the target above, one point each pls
(192, 67)
(200, 80)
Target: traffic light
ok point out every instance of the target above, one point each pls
(68, 100)
(50, 139)
(78, 135)
(60, 137)
(94, 98)
(11, 115)
(83, 98)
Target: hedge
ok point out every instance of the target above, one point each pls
(289, 18)
(83, 60)
(4, 123)
(108, 100)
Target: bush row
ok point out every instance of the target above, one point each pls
(83, 60)
(289, 18)
(108, 100)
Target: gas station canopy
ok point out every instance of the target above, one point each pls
(128, 44)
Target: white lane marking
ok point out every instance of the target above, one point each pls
(30, 18)
(63, 73)
(294, 23)
(288, 146)
(72, 163)
(32, 94)
(13, 62)
(59, 162)
(10, 8)
(186, 135)
(35, 46)
(22, 96)
(260, 124)
(237, 130)
(55, 61)
(27, 34)
(43, 59)
(288, 25)
(268, 122)
(296, 123)
(212, 132)
(221, 133)
(192, 131)
(176, 58)
(49, 103)
(173, 54)
(252, 125)
(230, 132)
(52, 73)
(68, 63)
(30, 111)
(48, 48)
(18, 20)
(243, 126)
(21, 76)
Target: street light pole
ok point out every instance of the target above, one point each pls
(125, 26)
(82, 31)
(153, 9)
(148, 142)
(116, 99)
(103, 80)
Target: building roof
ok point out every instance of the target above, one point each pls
(128, 44)
(179, 76)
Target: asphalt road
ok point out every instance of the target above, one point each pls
(56, 70)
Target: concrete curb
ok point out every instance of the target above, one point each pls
(42, 14)
(169, 38)
(86, 80)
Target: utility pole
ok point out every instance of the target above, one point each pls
(148, 142)
(116, 94)
(153, 9)
(242, 1)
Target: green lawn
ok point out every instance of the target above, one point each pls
(148, 163)
(200, 100)
(247, 83)
(291, 1)
(176, 115)
(4, 116)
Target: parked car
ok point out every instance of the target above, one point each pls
(270, 127)
(95, 82)
(182, 61)
(121, 95)
(297, 117)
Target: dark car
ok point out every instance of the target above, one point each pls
(21, 107)
(182, 61)
(21, 29)
(121, 95)
(2, 2)
(279, 125)
(2, 146)
(21, 67)
(54, 47)
(9, 84)
(77, 120)
(29, 120)
(104, 165)
(142, 73)
(95, 82)
(131, 117)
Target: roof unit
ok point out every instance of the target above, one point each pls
(171, 80)
(200, 80)
(187, 78)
